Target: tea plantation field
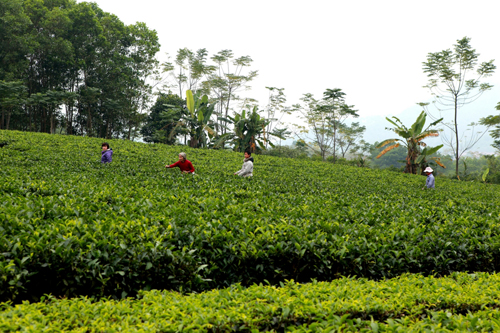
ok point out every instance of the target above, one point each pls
(70, 226)
(410, 303)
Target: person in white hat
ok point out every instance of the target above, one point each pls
(430, 178)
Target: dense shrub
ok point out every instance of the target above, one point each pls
(71, 226)
(411, 303)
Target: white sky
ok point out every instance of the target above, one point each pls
(372, 50)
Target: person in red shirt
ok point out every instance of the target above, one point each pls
(183, 164)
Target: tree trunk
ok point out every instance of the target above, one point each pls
(108, 130)
(42, 119)
(1, 121)
(193, 142)
(8, 119)
(334, 143)
(89, 122)
(29, 117)
(52, 124)
(69, 118)
(456, 135)
(34, 128)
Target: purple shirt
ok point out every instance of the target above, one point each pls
(106, 156)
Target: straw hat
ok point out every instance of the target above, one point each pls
(428, 169)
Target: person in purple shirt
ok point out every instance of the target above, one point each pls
(107, 153)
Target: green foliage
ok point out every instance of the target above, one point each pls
(395, 158)
(197, 120)
(411, 139)
(188, 69)
(326, 120)
(485, 174)
(14, 44)
(287, 152)
(75, 54)
(493, 121)
(160, 124)
(12, 94)
(349, 139)
(249, 130)
(71, 226)
(410, 303)
(274, 112)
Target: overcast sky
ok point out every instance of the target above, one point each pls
(372, 50)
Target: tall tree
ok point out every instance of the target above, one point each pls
(76, 55)
(14, 41)
(12, 96)
(275, 111)
(316, 122)
(187, 70)
(455, 80)
(50, 58)
(349, 136)
(324, 118)
(225, 79)
(338, 112)
(87, 39)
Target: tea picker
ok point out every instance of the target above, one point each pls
(183, 164)
(429, 183)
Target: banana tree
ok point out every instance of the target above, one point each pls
(249, 130)
(197, 120)
(411, 139)
(422, 162)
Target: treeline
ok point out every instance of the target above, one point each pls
(199, 104)
(220, 117)
(71, 68)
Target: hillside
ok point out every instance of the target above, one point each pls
(71, 226)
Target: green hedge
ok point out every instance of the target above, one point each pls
(71, 226)
(460, 302)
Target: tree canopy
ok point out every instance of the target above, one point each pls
(77, 56)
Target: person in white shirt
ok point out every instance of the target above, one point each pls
(247, 168)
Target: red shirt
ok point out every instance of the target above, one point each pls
(184, 166)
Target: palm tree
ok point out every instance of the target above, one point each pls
(412, 139)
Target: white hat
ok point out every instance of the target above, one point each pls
(428, 169)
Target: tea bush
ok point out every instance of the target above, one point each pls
(410, 303)
(71, 226)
